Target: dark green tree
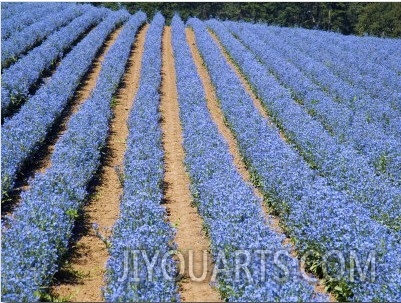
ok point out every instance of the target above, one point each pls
(380, 19)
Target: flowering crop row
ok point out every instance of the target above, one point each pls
(26, 130)
(10, 9)
(21, 42)
(231, 211)
(142, 224)
(376, 114)
(345, 169)
(38, 232)
(349, 125)
(378, 60)
(19, 78)
(28, 17)
(316, 216)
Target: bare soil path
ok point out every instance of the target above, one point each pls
(81, 277)
(83, 92)
(218, 118)
(245, 83)
(41, 161)
(48, 73)
(177, 194)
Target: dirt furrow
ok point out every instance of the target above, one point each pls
(177, 195)
(81, 277)
(256, 101)
(83, 92)
(218, 118)
(48, 73)
(41, 160)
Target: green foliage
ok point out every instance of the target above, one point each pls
(339, 288)
(312, 112)
(48, 297)
(6, 184)
(379, 19)
(72, 213)
(381, 163)
(111, 5)
(226, 290)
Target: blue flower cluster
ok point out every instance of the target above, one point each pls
(378, 139)
(142, 225)
(28, 17)
(232, 213)
(316, 216)
(341, 165)
(363, 57)
(21, 42)
(26, 130)
(17, 80)
(37, 234)
(371, 64)
(10, 9)
(381, 108)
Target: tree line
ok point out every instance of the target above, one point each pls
(377, 19)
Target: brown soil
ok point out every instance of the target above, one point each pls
(80, 96)
(81, 278)
(178, 198)
(41, 161)
(47, 74)
(218, 117)
(245, 83)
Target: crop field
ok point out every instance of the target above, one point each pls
(144, 159)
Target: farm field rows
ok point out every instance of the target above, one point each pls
(145, 159)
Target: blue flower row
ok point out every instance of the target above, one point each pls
(316, 216)
(142, 225)
(13, 47)
(369, 64)
(381, 76)
(377, 110)
(341, 165)
(37, 234)
(28, 17)
(232, 213)
(18, 79)
(26, 130)
(9, 10)
(378, 139)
